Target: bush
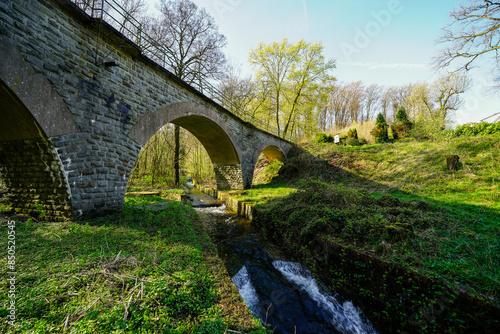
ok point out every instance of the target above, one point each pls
(323, 138)
(425, 129)
(400, 131)
(379, 132)
(363, 141)
(477, 129)
(352, 133)
(352, 142)
(402, 125)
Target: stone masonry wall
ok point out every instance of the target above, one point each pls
(228, 177)
(34, 177)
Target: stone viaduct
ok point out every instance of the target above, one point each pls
(78, 101)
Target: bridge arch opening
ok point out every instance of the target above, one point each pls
(208, 128)
(266, 154)
(30, 167)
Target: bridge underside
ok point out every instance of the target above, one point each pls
(219, 147)
(29, 165)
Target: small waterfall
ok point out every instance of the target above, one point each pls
(247, 290)
(345, 317)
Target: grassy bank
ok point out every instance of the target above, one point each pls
(149, 269)
(396, 202)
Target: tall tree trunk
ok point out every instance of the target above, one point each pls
(177, 145)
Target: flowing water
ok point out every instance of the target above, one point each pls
(277, 290)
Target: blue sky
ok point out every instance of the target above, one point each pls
(388, 42)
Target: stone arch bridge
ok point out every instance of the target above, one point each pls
(78, 101)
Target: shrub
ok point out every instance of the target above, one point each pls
(425, 129)
(402, 125)
(352, 134)
(482, 128)
(352, 142)
(362, 141)
(323, 138)
(379, 132)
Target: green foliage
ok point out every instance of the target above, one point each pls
(297, 76)
(350, 215)
(40, 210)
(149, 269)
(477, 129)
(401, 130)
(379, 132)
(402, 125)
(352, 142)
(425, 129)
(399, 204)
(323, 138)
(380, 120)
(352, 133)
(401, 117)
(362, 141)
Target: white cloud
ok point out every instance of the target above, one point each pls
(377, 65)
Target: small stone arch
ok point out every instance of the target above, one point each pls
(208, 127)
(272, 149)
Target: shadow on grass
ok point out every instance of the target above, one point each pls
(140, 268)
(302, 165)
(370, 240)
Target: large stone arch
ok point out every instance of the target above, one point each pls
(32, 112)
(208, 127)
(29, 164)
(35, 92)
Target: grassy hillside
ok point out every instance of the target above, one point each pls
(398, 202)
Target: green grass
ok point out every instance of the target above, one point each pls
(400, 197)
(139, 271)
(262, 194)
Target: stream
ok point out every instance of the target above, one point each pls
(280, 292)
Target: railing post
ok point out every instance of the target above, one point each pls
(140, 36)
(103, 2)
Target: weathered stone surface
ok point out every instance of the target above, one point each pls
(93, 119)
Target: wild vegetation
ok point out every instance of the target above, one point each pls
(150, 269)
(396, 202)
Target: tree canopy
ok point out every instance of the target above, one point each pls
(292, 78)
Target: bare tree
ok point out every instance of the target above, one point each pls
(436, 101)
(392, 99)
(373, 96)
(237, 90)
(474, 33)
(345, 105)
(193, 48)
(447, 90)
(132, 12)
(193, 43)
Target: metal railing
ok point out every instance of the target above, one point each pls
(115, 15)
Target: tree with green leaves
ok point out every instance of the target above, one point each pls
(402, 125)
(295, 75)
(379, 132)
